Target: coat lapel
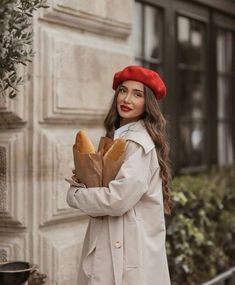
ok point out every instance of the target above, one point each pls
(139, 134)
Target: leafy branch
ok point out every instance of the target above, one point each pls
(16, 37)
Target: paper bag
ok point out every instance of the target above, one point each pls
(110, 169)
(93, 169)
(88, 168)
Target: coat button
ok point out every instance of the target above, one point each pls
(118, 244)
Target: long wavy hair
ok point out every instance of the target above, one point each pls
(155, 124)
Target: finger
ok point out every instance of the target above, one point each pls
(73, 171)
(74, 178)
(39, 280)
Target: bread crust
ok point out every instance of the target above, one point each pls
(83, 144)
(116, 150)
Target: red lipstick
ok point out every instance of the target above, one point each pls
(124, 108)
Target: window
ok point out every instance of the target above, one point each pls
(191, 69)
(147, 38)
(192, 46)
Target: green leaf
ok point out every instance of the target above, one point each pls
(15, 39)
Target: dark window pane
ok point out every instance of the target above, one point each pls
(224, 100)
(191, 91)
(225, 46)
(191, 95)
(153, 32)
(233, 53)
(155, 67)
(225, 144)
(197, 35)
(183, 25)
(137, 35)
(191, 148)
(224, 51)
(191, 46)
(185, 83)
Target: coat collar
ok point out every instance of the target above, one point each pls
(138, 133)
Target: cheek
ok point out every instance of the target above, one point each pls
(141, 106)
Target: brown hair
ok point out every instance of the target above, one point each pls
(156, 126)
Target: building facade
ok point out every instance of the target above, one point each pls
(78, 46)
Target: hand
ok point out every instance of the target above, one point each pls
(36, 278)
(74, 177)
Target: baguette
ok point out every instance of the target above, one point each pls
(104, 144)
(83, 144)
(116, 150)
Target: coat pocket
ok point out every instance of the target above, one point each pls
(132, 245)
(88, 262)
(94, 228)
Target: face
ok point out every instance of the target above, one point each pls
(130, 101)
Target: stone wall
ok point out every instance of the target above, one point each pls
(79, 44)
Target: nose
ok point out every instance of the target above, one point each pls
(127, 98)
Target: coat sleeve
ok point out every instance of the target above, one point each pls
(123, 193)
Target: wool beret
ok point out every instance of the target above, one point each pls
(146, 76)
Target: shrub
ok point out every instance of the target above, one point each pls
(201, 230)
(15, 40)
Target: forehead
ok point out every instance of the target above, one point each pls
(131, 84)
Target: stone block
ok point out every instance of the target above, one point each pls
(76, 80)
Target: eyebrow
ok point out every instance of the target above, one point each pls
(133, 89)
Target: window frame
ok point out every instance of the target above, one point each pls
(209, 12)
(227, 23)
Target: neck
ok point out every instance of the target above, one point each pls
(127, 121)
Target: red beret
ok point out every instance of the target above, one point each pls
(141, 74)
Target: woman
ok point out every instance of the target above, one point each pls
(125, 239)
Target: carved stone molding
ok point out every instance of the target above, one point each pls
(14, 246)
(13, 186)
(3, 255)
(105, 17)
(55, 164)
(3, 179)
(59, 253)
(75, 79)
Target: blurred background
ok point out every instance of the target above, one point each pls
(78, 46)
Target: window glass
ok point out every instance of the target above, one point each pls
(191, 150)
(224, 51)
(191, 50)
(183, 29)
(200, 62)
(137, 35)
(152, 32)
(146, 38)
(225, 102)
(225, 144)
(191, 95)
(191, 35)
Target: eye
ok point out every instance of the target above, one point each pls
(138, 94)
(122, 90)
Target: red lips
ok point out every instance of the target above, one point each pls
(124, 108)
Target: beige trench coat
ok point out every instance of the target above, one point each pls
(125, 239)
